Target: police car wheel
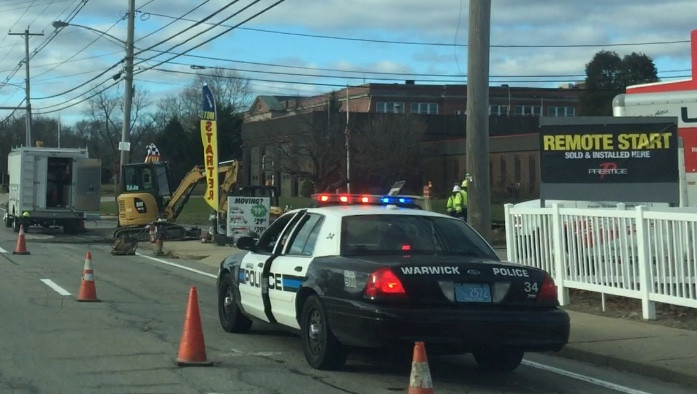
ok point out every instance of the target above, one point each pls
(15, 225)
(322, 350)
(230, 315)
(499, 359)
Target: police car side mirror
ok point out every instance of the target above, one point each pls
(245, 243)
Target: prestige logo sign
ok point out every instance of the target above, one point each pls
(609, 168)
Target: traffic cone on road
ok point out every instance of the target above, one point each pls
(192, 349)
(21, 247)
(420, 380)
(88, 291)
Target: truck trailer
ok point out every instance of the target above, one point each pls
(52, 187)
(676, 99)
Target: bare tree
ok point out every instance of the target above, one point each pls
(387, 148)
(228, 87)
(313, 150)
(140, 121)
(231, 92)
(103, 112)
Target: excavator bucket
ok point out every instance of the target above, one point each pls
(124, 246)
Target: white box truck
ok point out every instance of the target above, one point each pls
(52, 186)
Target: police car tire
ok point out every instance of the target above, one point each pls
(498, 359)
(231, 318)
(323, 350)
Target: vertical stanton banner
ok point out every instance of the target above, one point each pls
(209, 138)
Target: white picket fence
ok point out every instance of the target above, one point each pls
(643, 253)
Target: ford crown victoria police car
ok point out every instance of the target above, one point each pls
(371, 276)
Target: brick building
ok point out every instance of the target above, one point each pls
(513, 148)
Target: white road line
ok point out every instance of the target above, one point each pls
(583, 378)
(2, 250)
(55, 287)
(165, 262)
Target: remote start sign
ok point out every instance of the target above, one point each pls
(605, 158)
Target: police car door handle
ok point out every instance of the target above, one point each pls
(260, 265)
(298, 268)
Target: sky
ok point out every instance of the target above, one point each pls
(307, 47)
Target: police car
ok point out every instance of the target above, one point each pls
(365, 271)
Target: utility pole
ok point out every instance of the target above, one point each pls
(26, 35)
(477, 139)
(124, 145)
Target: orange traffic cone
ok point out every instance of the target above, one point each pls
(420, 380)
(88, 291)
(192, 349)
(21, 247)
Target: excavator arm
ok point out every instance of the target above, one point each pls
(181, 195)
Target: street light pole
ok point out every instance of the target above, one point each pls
(124, 145)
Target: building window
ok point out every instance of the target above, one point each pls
(498, 109)
(523, 110)
(389, 107)
(561, 111)
(424, 108)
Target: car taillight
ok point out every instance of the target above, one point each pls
(383, 282)
(548, 290)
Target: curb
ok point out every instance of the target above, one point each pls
(655, 371)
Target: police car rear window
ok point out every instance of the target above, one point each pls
(410, 234)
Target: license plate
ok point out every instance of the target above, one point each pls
(472, 292)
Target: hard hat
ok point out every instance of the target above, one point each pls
(464, 183)
(456, 188)
(25, 214)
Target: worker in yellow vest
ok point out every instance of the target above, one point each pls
(455, 203)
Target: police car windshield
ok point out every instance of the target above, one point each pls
(410, 234)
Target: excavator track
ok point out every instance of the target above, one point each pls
(169, 232)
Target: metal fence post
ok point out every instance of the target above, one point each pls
(648, 307)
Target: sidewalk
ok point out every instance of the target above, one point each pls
(660, 352)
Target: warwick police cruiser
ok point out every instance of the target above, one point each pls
(364, 271)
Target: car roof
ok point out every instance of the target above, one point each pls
(354, 210)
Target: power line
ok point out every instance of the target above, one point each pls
(444, 44)
(173, 21)
(217, 35)
(173, 57)
(149, 48)
(197, 23)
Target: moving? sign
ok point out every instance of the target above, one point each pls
(247, 215)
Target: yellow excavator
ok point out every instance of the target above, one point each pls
(147, 198)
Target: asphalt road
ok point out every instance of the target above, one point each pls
(129, 340)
